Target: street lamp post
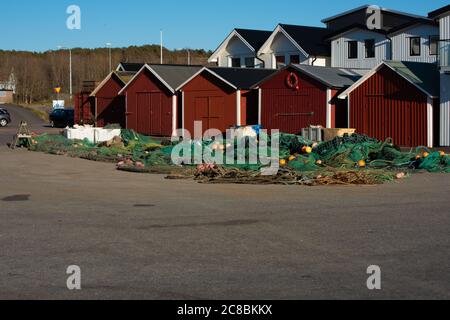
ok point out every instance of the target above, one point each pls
(188, 55)
(110, 58)
(70, 69)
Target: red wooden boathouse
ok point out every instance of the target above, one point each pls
(398, 100)
(299, 96)
(151, 98)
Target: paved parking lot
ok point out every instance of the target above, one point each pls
(21, 114)
(141, 236)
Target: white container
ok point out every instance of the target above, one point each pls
(93, 135)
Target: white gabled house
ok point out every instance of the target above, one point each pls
(240, 49)
(297, 45)
(442, 16)
(416, 41)
(359, 48)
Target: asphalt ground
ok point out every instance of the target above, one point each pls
(138, 236)
(143, 237)
(18, 114)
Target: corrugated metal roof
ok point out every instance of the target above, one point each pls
(242, 78)
(332, 77)
(423, 75)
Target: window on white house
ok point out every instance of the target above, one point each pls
(434, 41)
(235, 62)
(295, 58)
(250, 62)
(369, 45)
(414, 46)
(280, 59)
(353, 49)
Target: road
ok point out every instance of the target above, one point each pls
(143, 237)
(18, 114)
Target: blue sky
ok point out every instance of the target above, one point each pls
(41, 25)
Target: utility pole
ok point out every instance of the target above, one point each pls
(110, 56)
(161, 46)
(70, 70)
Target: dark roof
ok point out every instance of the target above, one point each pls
(311, 39)
(174, 75)
(332, 34)
(364, 7)
(412, 23)
(242, 78)
(125, 76)
(423, 75)
(332, 77)
(255, 38)
(438, 12)
(131, 66)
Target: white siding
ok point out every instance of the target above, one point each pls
(320, 61)
(339, 50)
(445, 27)
(281, 45)
(235, 49)
(401, 44)
(445, 110)
(445, 81)
(445, 45)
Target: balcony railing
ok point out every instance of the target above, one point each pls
(444, 54)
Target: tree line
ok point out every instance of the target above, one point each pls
(38, 73)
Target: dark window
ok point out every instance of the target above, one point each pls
(353, 49)
(434, 40)
(414, 46)
(280, 59)
(295, 58)
(250, 62)
(236, 62)
(370, 48)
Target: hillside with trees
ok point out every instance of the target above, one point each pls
(37, 73)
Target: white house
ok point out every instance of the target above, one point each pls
(400, 37)
(358, 47)
(442, 15)
(416, 41)
(295, 44)
(269, 49)
(240, 49)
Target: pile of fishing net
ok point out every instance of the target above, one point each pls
(354, 159)
(130, 146)
(360, 151)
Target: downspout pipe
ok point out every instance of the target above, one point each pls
(257, 58)
(391, 50)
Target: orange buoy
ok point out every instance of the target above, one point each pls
(361, 164)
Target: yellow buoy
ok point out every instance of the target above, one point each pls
(361, 163)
